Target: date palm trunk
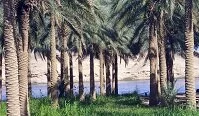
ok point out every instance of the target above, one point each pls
(189, 57)
(153, 57)
(22, 53)
(80, 70)
(29, 74)
(11, 63)
(48, 77)
(92, 78)
(61, 85)
(71, 73)
(54, 75)
(113, 74)
(1, 78)
(116, 75)
(162, 54)
(108, 79)
(169, 63)
(102, 84)
(65, 89)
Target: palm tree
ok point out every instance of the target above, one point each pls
(76, 42)
(153, 57)
(80, 70)
(11, 64)
(102, 79)
(64, 61)
(174, 43)
(189, 61)
(29, 73)
(71, 73)
(48, 77)
(92, 79)
(54, 75)
(162, 53)
(169, 61)
(141, 15)
(114, 74)
(22, 53)
(108, 78)
(52, 8)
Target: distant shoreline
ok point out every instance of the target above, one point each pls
(123, 80)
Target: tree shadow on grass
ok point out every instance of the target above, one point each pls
(118, 113)
(100, 101)
(128, 99)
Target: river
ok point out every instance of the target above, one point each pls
(141, 86)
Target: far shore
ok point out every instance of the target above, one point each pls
(124, 80)
(136, 69)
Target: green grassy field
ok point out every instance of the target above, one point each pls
(124, 105)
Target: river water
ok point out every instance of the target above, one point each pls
(142, 86)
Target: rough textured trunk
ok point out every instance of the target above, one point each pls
(102, 85)
(11, 63)
(64, 63)
(61, 85)
(153, 57)
(113, 74)
(54, 75)
(71, 73)
(108, 79)
(48, 77)
(116, 75)
(1, 77)
(80, 69)
(170, 71)
(169, 63)
(189, 57)
(29, 74)
(22, 53)
(92, 79)
(162, 55)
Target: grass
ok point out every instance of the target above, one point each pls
(124, 105)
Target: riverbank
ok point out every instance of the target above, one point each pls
(123, 105)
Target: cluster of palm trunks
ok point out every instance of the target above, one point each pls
(17, 47)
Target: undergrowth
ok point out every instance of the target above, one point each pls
(123, 105)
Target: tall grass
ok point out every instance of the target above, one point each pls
(124, 105)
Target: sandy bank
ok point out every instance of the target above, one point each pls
(133, 71)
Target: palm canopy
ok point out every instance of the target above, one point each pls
(77, 14)
(136, 15)
(103, 35)
(70, 13)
